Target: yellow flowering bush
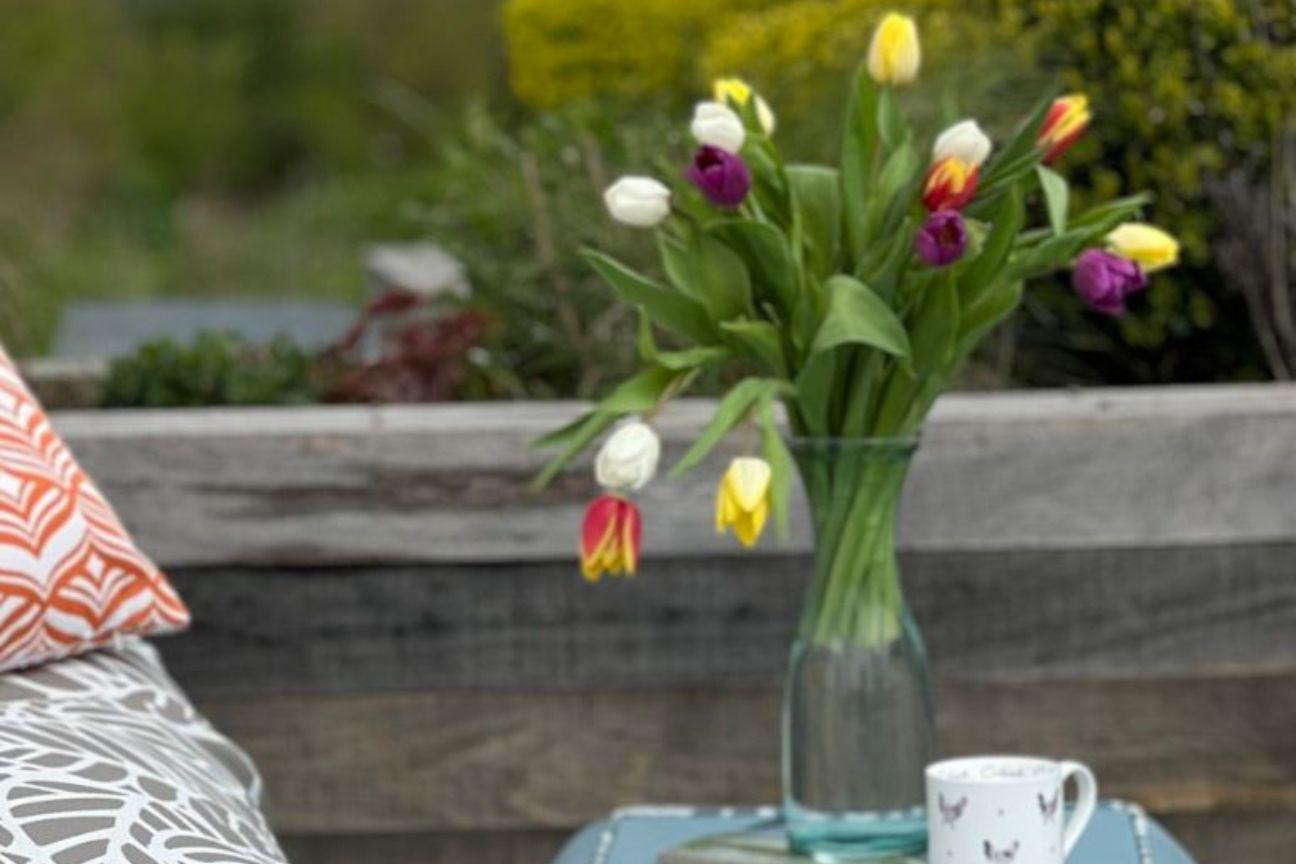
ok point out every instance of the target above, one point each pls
(565, 50)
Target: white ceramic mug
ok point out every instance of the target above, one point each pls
(1005, 810)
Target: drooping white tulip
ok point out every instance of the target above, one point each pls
(639, 201)
(964, 140)
(719, 126)
(628, 459)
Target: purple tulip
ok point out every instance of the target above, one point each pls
(1104, 280)
(723, 177)
(942, 239)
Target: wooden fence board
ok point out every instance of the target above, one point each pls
(1000, 615)
(468, 760)
(350, 485)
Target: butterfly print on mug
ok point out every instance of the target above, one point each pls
(1049, 806)
(1007, 855)
(950, 813)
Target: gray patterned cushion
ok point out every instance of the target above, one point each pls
(103, 759)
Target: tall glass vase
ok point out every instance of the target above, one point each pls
(858, 724)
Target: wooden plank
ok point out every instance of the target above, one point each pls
(471, 760)
(990, 615)
(351, 485)
(452, 847)
(1254, 838)
(1232, 836)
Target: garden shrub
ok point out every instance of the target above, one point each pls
(216, 369)
(1181, 89)
(566, 50)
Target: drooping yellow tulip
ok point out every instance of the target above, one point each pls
(738, 91)
(894, 54)
(1149, 246)
(743, 499)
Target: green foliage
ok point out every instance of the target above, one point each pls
(217, 369)
(1181, 90)
(212, 147)
(518, 207)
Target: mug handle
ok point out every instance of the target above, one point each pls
(1086, 801)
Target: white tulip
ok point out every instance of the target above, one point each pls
(628, 459)
(718, 126)
(638, 201)
(963, 140)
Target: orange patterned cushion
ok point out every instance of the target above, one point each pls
(71, 578)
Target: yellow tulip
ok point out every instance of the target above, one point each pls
(743, 499)
(738, 91)
(894, 54)
(1149, 246)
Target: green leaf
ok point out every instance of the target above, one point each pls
(1006, 222)
(1110, 214)
(859, 146)
(996, 304)
(766, 253)
(731, 411)
(935, 328)
(892, 129)
(817, 196)
(814, 391)
(668, 308)
(693, 358)
(1055, 192)
(709, 272)
(641, 392)
(899, 172)
(856, 315)
(1020, 153)
(575, 438)
(761, 340)
(782, 467)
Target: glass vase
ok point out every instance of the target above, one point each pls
(858, 724)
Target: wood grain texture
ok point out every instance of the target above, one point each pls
(354, 485)
(470, 760)
(988, 615)
(453, 847)
(1265, 837)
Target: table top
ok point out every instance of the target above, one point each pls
(1120, 833)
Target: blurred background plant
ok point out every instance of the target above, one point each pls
(216, 147)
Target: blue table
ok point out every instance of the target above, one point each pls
(1120, 833)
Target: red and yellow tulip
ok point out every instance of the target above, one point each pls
(610, 537)
(1066, 121)
(950, 184)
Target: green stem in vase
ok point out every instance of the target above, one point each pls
(854, 488)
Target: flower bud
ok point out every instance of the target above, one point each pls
(1104, 280)
(611, 538)
(963, 140)
(942, 239)
(743, 499)
(639, 201)
(894, 53)
(717, 125)
(1066, 121)
(950, 184)
(721, 176)
(740, 93)
(628, 459)
(1149, 246)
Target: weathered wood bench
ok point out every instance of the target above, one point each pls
(395, 628)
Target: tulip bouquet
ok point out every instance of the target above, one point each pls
(847, 293)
